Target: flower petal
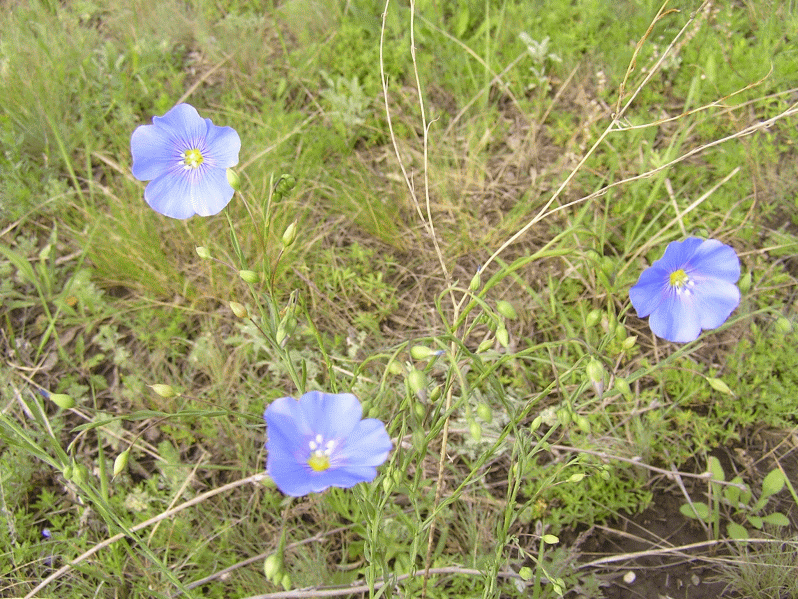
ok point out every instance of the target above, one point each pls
(716, 260)
(676, 319)
(650, 290)
(331, 415)
(222, 146)
(154, 152)
(715, 300)
(184, 123)
(367, 445)
(181, 194)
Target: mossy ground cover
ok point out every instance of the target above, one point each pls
(553, 150)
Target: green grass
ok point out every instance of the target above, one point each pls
(102, 297)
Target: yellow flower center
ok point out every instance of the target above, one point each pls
(192, 158)
(679, 279)
(318, 461)
(320, 452)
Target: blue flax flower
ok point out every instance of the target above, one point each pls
(320, 441)
(185, 158)
(692, 287)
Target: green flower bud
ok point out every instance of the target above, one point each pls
(165, 391)
(68, 471)
(80, 474)
(593, 318)
(550, 539)
(273, 567)
(285, 581)
(783, 325)
(120, 463)
(417, 381)
(203, 252)
(475, 429)
(485, 346)
(476, 281)
(506, 309)
(595, 370)
(623, 386)
(395, 367)
(233, 179)
(422, 352)
(435, 394)
(420, 411)
(484, 412)
(249, 276)
(387, 485)
(620, 331)
(62, 400)
(503, 336)
(564, 416)
(239, 310)
(289, 236)
(526, 573)
(583, 423)
(281, 334)
(536, 423)
(745, 282)
(629, 342)
(576, 477)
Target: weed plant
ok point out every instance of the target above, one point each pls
(476, 186)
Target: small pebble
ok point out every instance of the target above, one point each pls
(629, 577)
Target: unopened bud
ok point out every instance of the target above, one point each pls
(475, 429)
(595, 371)
(417, 381)
(233, 179)
(80, 474)
(550, 539)
(120, 463)
(394, 367)
(476, 281)
(583, 423)
(289, 236)
(622, 385)
(783, 325)
(239, 310)
(165, 391)
(629, 342)
(503, 336)
(484, 412)
(485, 346)
(745, 282)
(62, 400)
(538, 420)
(203, 252)
(576, 477)
(593, 318)
(273, 567)
(249, 276)
(422, 352)
(506, 309)
(285, 581)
